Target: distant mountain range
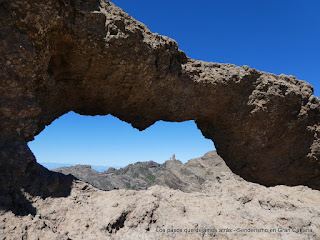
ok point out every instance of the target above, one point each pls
(173, 173)
(98, 168)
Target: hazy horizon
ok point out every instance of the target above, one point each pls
(108, 141)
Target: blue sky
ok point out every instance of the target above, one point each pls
(272, 36)
(106, 140)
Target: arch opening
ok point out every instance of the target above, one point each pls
(110, 154)
(107, 141)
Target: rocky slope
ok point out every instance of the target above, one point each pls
(230, 208)
(173, 173)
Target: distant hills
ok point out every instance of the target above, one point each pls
(173, 173)
(98, 168)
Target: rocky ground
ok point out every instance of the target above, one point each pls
(173, 173)
(230, 205)
(226, 207)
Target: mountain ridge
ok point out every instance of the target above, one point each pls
(187, 177)
(53, 165)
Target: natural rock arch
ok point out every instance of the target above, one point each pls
(93, 58)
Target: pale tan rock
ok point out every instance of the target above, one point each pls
(230, 204)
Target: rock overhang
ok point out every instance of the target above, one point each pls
(93, 58)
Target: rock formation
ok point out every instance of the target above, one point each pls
(188, 177)
(227, 209)
(93, 58)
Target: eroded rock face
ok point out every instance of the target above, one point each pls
(93, 58)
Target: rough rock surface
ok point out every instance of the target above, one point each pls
(91, 57)
(89, 213)
(188, 177)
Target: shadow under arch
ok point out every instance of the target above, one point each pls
(21, 175)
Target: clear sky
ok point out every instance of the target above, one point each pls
(273, 36)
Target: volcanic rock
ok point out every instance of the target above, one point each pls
(187, 177)
(227, 209)
(93, 58)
